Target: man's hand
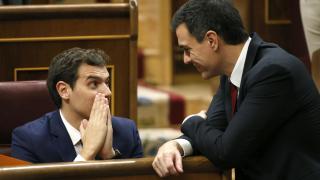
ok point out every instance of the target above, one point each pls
(107, 151)
(168, 160)
(94, 131)
(203, 114)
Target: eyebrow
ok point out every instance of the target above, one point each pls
(184, 47)
(97, 78)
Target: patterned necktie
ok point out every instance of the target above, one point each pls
(234, 94)
(78, 146)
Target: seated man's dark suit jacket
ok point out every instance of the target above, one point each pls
(46, 140)
(275, 133)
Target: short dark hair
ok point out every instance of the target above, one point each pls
(64, 67)
(220, 16)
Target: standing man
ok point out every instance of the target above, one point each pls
(82, 128)
(310, 13)
(264, 120)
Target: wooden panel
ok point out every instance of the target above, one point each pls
(30, 36)
(196, 167)
(276, 12)
(31, 73)
(283, 28)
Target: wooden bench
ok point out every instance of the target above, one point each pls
(196, 167)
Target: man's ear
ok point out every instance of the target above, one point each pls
(213, 40)
(63, 89)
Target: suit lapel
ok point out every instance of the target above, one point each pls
(228, 98)
(61, 139)
(250, 61)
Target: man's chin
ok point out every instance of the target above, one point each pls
(206, 76)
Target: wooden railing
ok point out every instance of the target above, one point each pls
(196, 167)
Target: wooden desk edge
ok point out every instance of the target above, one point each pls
(107, 168)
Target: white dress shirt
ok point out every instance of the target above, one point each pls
(75, 137)
(235, 79)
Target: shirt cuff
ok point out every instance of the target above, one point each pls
(186, 147)
(192, 115)
(79, 158)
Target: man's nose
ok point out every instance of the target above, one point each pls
(186, 58)
(106, 90)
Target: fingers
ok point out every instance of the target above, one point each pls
(82, 128)
(95, 130)
(94, 106)
(109, 123)
(108, 114)
(98, 113)
(160, 167)
(178, 163)
(84, 123)
(168, 160)
(157, 168)
(167, 165)
(102, 108)
(107, 151)
(203, 114)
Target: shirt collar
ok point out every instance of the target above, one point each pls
(73, 132)
(237, 71)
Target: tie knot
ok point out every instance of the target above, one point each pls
(79, 142)
(233, 87)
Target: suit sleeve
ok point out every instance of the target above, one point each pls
(216, 117)
(262, 111)
(21, 146)
(137, 151)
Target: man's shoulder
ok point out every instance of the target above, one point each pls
(122, 122)
(38, 125)
(272, 58)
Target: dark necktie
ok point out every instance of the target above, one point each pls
(234, 94)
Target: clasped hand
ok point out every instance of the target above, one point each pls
(168, 160)
(96, 134)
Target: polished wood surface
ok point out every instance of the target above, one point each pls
(194, 168)
(31, 35)
(285, 30)
(9, 161)
(14, 12)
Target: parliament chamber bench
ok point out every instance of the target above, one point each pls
(196, 167)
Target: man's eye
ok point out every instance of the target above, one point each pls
(93, 85)
(187, 50)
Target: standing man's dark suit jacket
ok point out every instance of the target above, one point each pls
(275, 133)
(47, 140)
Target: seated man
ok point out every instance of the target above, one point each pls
(82, 128)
